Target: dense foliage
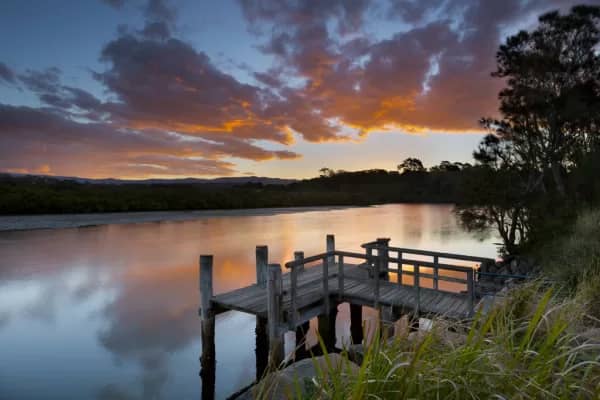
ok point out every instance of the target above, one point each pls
(540, 160)
(32, 195)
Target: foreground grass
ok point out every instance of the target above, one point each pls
(523, 349)
(535, 344)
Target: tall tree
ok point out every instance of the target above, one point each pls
(551, 106)
(411, 164)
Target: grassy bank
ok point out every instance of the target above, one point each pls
(541, 341)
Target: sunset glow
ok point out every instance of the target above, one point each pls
(137, 89)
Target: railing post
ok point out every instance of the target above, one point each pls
(262, 257)
(274, 289)
(369, 253)
(376, 272)
(298, 256)
(436, 263)
(330, 248)
(470, 290)
(384, 254)
(326, 284)
(341, 277)
(399, 273)
(293, 296)
(417, 285)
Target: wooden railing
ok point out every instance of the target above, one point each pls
(384, 258)
(378, 264)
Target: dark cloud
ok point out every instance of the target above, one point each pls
(114, 3)
(6, 74)
(156, 30)
(435, 75)
(167, 84)
(161, 11)
(43, 141)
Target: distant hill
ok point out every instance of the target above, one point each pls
(225, 181)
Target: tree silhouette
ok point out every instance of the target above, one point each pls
(551, 106)
(411, 164)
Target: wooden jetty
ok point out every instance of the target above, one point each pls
(316, 285)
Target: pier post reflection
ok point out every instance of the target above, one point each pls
(208, 361)
(262, 347)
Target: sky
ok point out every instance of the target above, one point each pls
(281, 88)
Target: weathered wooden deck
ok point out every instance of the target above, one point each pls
(358, 289)
(393, 280)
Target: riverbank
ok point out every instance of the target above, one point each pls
(60, 221)
(539, 340)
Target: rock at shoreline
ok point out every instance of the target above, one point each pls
(297, 379)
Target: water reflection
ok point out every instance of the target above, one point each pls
(110, 312)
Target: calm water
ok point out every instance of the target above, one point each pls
(110, 312)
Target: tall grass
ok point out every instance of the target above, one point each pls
(523, 349)
(570, 258)
(572, 261)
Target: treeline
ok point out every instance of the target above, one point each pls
(540, 163)
(39, 195)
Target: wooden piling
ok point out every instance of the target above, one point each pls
(207, 360)
(262, 347)
(274, 294)
(206, 284)
(262, 260)
(356, 326)
(301, 345)
(386, 322)
(327, 327)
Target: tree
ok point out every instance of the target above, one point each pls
(326, 172)
(411, 165)
(494, 194)
(551, 106)
(447, 166)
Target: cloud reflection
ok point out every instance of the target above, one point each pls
(125, 297)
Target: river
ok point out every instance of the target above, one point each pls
(110, 311)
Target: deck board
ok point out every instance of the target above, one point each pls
(358, 289)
